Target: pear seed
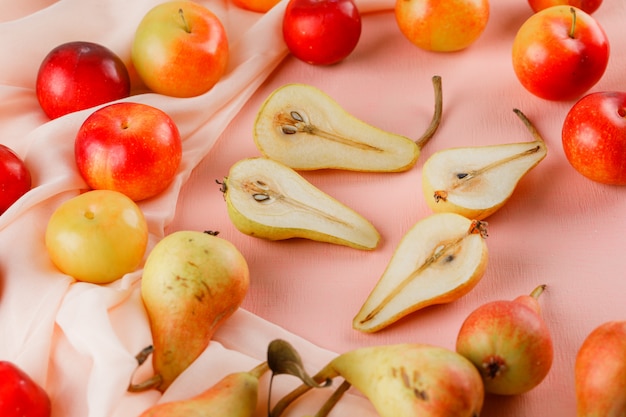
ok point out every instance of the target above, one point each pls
(261, 197)
(262, 184)
(448, 259)
(289, 130)
(297, 116)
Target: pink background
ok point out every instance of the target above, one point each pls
(558, 228)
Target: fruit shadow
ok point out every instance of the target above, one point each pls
(506, 26)
(501, 405)
(534, 194)
(425, 326)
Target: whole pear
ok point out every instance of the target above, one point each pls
(192, 282)
(406, 380)
(509, 343)
(600, 372)
(235, 395)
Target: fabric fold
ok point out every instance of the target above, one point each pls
(78, 340)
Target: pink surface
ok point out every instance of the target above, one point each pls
(558, 229)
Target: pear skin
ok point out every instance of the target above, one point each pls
(192, 282)
(508, 341)
(440, 259)
(305, 129)
(413, 380)
(477, 181)
(404, 380)
(600, 372)
(269, 200)
(235, 395)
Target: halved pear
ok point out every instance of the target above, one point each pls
(305, 129)
(269, 200)
(477, 181)
(440, 259)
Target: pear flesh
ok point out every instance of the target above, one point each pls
(269, 200)
(305, 129)
(235, 395)
(441, 258)
(192, 282)
(477, 181)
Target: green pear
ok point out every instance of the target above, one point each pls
(269, 200)
(403, 380)
(305, 129)
(440, 259)
(477, 181)
(192, 282)
(235, 395)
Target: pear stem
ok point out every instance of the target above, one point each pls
(436, 120)
(573, 27)
(529, 125)
(152, 382)
(325, 375)
(333, 399)
(144, 354)
(538, 291)
(286, 401)
(259, 370)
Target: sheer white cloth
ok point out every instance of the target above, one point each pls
(79, 340)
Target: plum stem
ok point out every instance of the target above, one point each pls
(185, 24)
(573, 27)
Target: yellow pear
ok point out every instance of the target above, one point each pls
(269, 200)
(235, 395)
(477, 181)
(402, 380)
(192, 282)
(441, 258)
(305, 129)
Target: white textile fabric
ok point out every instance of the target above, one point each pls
(78, 340)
